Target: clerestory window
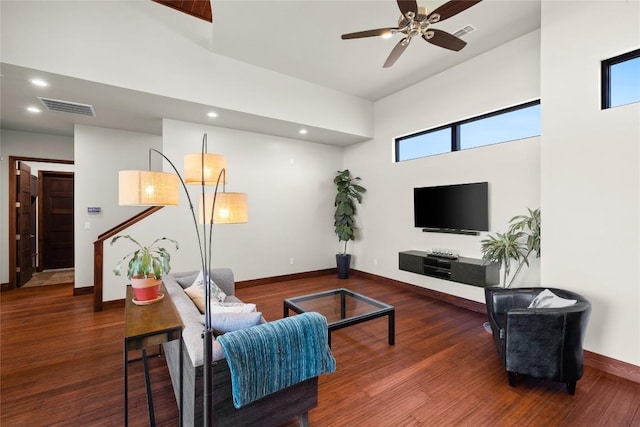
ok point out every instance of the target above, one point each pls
(508, 124)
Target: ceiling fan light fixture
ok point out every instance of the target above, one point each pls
(435, 17)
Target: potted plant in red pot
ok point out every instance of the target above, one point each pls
(146, 266)
(348, 192)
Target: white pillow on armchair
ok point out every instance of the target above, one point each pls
(547, 299)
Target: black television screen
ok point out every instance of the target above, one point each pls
(452, 207)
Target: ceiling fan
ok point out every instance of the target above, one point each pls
(415, 21)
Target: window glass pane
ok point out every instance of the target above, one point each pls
(427, 144)
(625, 82)
(518, 124)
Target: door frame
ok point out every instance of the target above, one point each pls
(12, 209)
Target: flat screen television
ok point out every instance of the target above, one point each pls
(451, 208)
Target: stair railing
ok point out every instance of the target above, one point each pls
(98, 253)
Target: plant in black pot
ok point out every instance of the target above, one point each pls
(348, 192)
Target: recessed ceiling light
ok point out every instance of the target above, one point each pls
(39, 82)
(302, 131)
(387, 35)
(212, 114)
(34, 110)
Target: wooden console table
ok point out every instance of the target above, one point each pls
(144, 326)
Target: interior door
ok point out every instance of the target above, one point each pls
(56, 249)
(24, 266)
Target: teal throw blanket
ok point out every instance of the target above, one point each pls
(272, 356)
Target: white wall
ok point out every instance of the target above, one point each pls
(290, 193)
(23, 144)
(506, 76)
(590, 171)
(145, 46)
(99, 154)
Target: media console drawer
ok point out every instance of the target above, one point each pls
(470, 271)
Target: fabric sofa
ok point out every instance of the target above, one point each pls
(538, 342)
(273, 410)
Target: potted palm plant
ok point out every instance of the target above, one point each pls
(145, 268)
(521, 239)
(348, 192)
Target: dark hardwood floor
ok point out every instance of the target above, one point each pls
(61, 365)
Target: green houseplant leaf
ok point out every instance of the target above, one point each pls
(347, 193)
(146, 260)
(515, 245)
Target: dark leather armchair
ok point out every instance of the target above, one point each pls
(539, 342)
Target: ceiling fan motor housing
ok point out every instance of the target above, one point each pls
(414, 25)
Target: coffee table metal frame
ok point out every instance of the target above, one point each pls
(380, 310)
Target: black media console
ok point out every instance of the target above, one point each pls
(470, 271)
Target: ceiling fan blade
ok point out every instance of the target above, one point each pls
(396, 52)
(368, 33)
(444, 39)
(408, 6)
(450, 9)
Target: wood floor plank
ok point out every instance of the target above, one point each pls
(61, 365)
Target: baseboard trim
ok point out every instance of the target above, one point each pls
(612, 366)
(268, 280)
(85, 290)
(116, 303)
(5, 287)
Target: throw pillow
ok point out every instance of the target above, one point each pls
(229, 322)
(231, 307)
(547, 299)
(215, 292)
(196, 292)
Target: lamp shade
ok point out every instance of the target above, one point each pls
(204, 166)
(147, 188)
(231, 208)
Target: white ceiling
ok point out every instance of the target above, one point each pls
(300, 38)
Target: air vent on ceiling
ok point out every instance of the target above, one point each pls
(68, 107)
(465, 30)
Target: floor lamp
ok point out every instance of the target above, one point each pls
(153, 188)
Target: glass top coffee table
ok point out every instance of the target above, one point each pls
(342, 308)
